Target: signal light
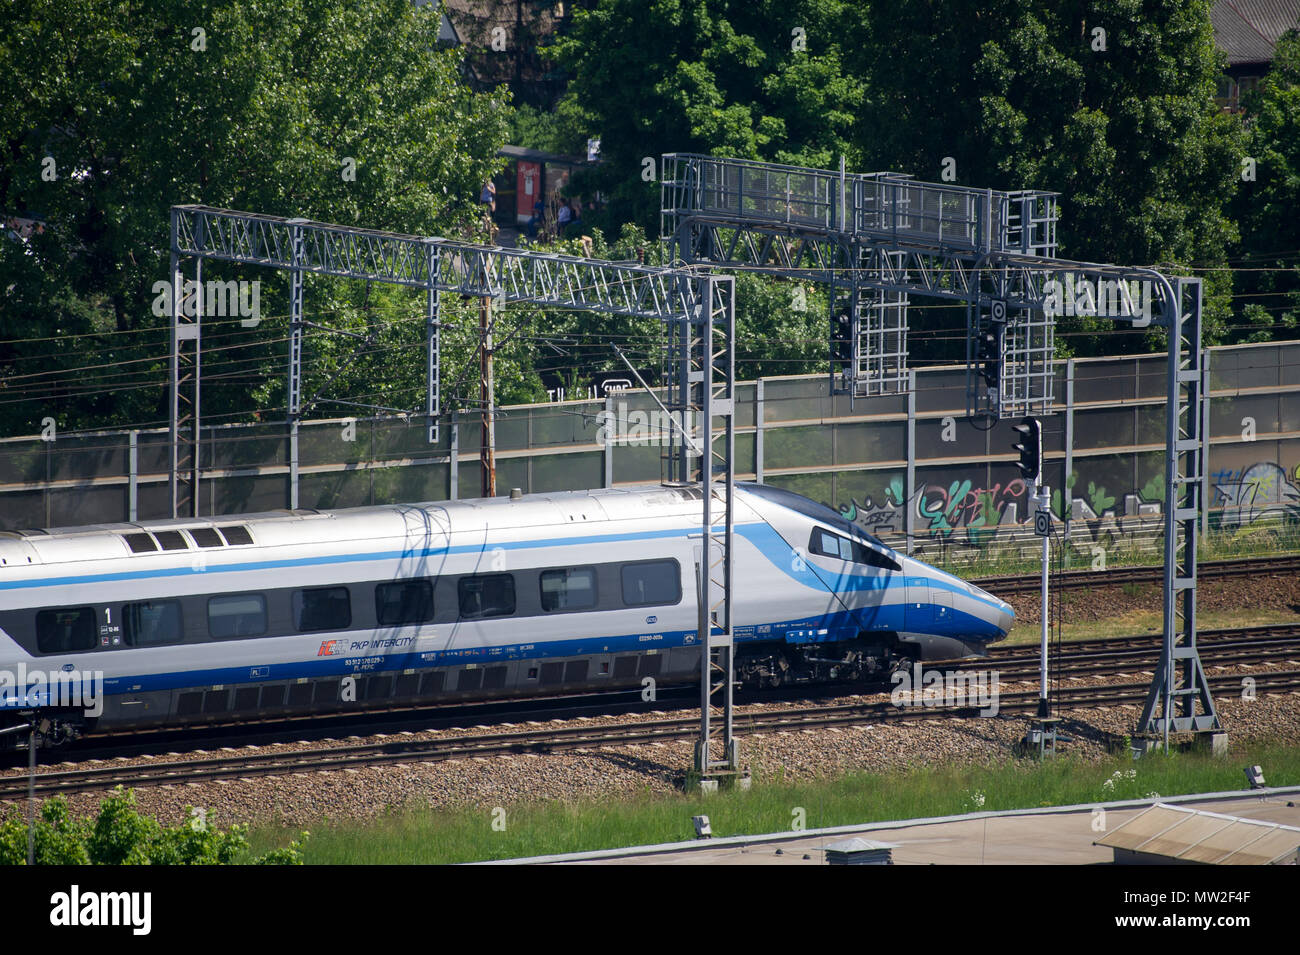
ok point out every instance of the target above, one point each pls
(841, 339)
(989, 353)
(1030, 447)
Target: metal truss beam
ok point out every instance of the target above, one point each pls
(949, 275)
(538, 278)
(433, 348)
(186, 391)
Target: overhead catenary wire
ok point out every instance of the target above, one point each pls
(221, 373)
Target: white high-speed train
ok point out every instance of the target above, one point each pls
(242, 618)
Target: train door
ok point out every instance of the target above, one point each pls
(941, 608)
(919, 615)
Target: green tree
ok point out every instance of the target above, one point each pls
(759, 80)
(1267, 207)
(1121, 122)
(111, 112)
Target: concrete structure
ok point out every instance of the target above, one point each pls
(1065, 835)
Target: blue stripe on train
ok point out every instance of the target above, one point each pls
(768, 542)
(817, 629)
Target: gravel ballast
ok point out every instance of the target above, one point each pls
(304, 799)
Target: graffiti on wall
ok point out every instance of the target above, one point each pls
(961, 509)
(965, 514)
(1263, 491)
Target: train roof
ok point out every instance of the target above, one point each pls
(809, 508)
(287, 527)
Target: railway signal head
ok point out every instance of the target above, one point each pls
(841, 339)
(989, 353)
(1030, 447)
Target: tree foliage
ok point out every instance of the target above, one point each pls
(1105, 101)
(133, 110)
(757, 80)
(119, 835)
(111, 112)
(1269, 206)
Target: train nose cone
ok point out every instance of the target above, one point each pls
(1006, 616)
(1003, 617)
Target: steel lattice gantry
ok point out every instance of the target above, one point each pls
(697, 309)
(879, 238)
(1179, 699)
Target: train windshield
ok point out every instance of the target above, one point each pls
(818, 512)
(829, 544)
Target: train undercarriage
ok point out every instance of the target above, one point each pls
(865, 660)
(869, 659)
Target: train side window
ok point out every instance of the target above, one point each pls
(206, 537)
(572, 588)
(152, 623)
(404, 601)
(652, 582)
(237, 615)
(489, 595)
(826, 544)
(171, 540)
(236, 534)
(140, 543)
(66, 631)
(324, 608)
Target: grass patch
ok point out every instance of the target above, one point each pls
(1140, 622)
(1265, 539)
(773, 805)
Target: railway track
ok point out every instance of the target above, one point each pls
(1204, 638)
(1105, 657)
(253, 762)
(1077, 579)
(1224, 647)
(398, 719)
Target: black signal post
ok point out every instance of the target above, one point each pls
(1030, 446)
